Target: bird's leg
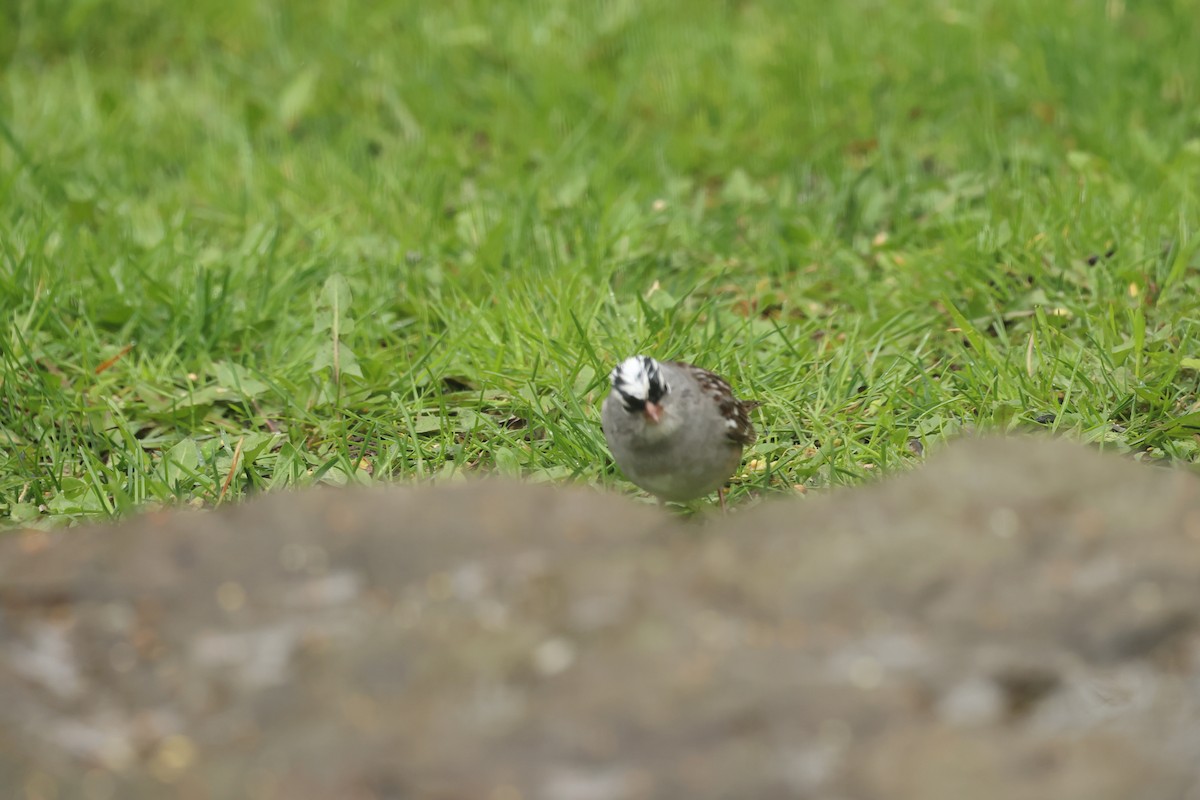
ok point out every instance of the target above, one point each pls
(721, 499)
(661, 503)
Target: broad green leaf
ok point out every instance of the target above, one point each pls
(347, 361)
(507, 462)
(75, 497)
(255, 444)
(180, 463)
(237, 378)
(336, 295)
(23, 512)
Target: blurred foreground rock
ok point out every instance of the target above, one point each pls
(1018, 619)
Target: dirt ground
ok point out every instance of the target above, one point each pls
(1017, 619)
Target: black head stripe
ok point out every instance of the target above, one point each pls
(633, 404)
(639, 380)
(654, 378)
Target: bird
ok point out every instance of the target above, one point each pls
(675, 429)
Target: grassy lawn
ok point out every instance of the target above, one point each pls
(248, 246)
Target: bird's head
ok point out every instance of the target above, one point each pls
(640, 385)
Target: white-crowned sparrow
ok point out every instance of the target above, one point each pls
(674, 429)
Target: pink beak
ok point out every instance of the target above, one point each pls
(653, 412)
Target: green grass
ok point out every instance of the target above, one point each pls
(345, 242)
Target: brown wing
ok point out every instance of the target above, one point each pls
(736, 413)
